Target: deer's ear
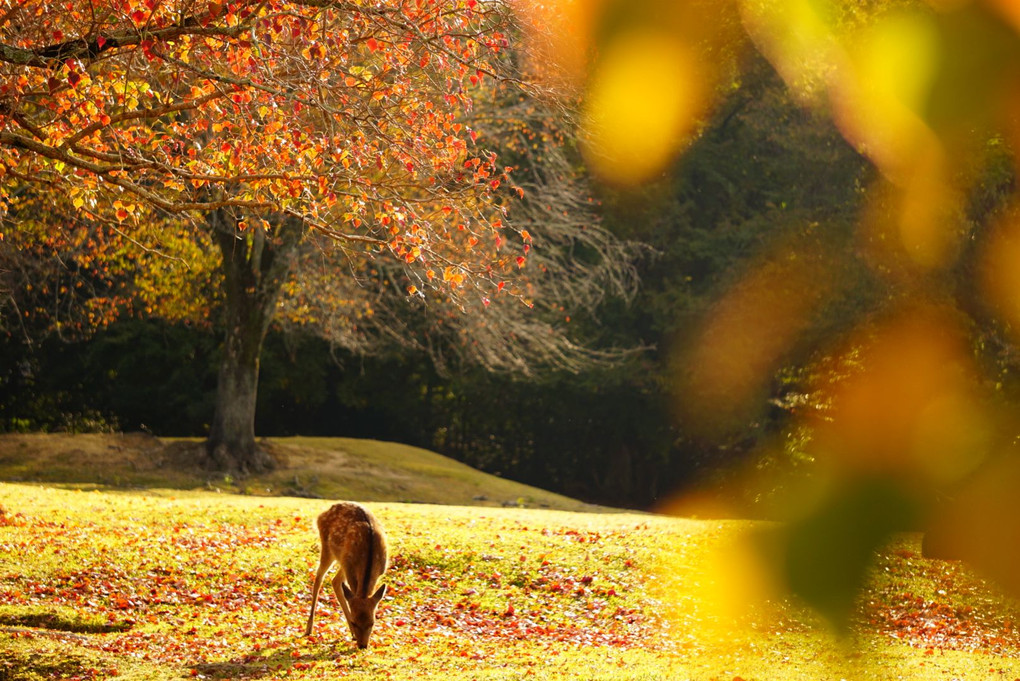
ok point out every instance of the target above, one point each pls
(379, 593)
(347, 591)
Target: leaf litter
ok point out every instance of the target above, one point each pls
(212, 586)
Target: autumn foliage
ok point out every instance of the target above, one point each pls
(230, 136)
(346, 117)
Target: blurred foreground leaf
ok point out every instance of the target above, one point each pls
(827, 553)
(980, 524)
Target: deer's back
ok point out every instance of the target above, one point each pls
(355, 539)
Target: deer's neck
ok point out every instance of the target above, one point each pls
(366, 582)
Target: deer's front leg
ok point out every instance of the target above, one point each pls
(324, 564)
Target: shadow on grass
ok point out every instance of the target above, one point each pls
(42, 666)
(57, 622)
(254, 665)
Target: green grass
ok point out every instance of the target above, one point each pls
(169, 584)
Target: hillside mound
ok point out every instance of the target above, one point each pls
(328, 468)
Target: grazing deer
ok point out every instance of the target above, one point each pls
(352, 537)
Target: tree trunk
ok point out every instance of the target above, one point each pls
(231, 445)
(255, 267)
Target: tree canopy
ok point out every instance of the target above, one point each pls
(344, 117)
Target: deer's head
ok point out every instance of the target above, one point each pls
(360, 613)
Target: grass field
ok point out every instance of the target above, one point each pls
(171, 584)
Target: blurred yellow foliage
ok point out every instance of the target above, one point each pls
(1001, 269)
(920, 89)
(981, 524)
(560, 37)
(913, 409)
(643, 104)
(647, 72)
(746, 336)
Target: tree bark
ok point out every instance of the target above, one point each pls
(255, 266)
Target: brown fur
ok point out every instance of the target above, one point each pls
(352, 538)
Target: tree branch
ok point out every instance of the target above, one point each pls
(89, 49)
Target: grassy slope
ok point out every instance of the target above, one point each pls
(165, 584)
(330, 468)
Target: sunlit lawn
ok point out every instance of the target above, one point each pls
(165, 585)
